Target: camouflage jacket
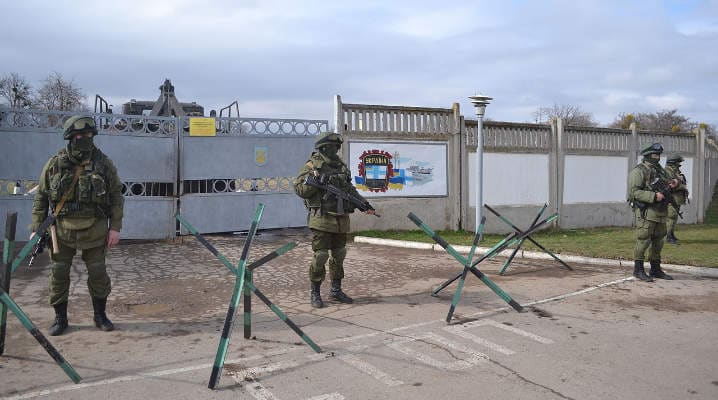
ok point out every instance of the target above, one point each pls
(639, 191)
(94, 202)
(323, 212)
(680, 192)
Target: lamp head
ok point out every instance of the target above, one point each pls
(480, 102)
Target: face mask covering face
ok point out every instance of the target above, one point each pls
(330, 150)
(82, 144)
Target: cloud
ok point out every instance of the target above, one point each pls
(668, 101)
(288, 59)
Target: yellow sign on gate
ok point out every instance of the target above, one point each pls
(200, 126)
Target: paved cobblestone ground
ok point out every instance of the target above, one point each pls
(169, 301)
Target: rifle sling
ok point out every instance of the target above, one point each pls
(75, 178)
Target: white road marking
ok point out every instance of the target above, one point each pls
(370, 370)
(512, 329)
(458, 365)
(330, 396)
(250, 374)
(155, 374)
(460, 330)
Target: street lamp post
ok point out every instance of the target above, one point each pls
(480, 102)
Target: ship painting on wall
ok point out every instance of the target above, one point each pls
(399, 169)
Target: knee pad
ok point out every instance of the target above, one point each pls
(320, 257)
(339, 254)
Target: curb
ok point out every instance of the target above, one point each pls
(704, 272)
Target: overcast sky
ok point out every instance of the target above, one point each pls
(288, 59)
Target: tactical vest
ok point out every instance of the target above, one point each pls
(649, 174)
(340, 176)
(680, 195)
(89, 198)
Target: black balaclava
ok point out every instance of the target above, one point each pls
(80, 148)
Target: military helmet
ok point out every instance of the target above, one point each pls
(674, 159)
(655, 148)
(78, 124)
(326, 138)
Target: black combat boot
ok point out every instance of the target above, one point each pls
(337, 294)
(658, 273)
(671, 238)
(639, 273)
(317, 295)
(60, 324)
(101, 320)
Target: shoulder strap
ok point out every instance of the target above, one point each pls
(648, 172)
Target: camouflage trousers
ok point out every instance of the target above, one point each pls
(98, 282)
(327, 246)
(649, 236)
(672, 219)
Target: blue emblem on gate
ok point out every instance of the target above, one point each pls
(260, 155)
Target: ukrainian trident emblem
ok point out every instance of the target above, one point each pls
(260, 155)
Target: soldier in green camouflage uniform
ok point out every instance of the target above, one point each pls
(651, 212)
(90, 219)
(680, 194)
(329, 226)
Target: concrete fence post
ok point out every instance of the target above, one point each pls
(455, 163)
(633, 151)
(560, 169)
(699, 168)
(463, 175)
(338, 115)
(553, 169)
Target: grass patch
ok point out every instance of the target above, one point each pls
(699, 243)
(712, 210)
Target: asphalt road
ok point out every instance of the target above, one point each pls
(593, 333)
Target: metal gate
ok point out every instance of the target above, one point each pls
(144, 150)
(214, 181)
(249, 161)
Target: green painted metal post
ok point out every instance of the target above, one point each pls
(508, 241)
(457, 294)
(490, 253)
(247, 308)
(51, 350)
(529, 238)
(449, 249)
(249, 285)
(6, 271)
(284, 317)
(234, 303)
(25, 251)
(518, 246)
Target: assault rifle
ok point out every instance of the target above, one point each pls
(661, 186)
(38, 248)
(322, 182)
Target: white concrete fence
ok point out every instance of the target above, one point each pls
(580, 172)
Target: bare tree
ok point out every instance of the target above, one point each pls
(661, 121)
(623, 121)
(16, 91)
(570, 114)
(57, 93)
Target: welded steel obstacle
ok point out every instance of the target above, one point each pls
(509, 240)
(244, 286)
(8, 303)
(468, 266)
(518, 231)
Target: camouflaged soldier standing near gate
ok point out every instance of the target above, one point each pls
(680, 194)
(328, 224)
(651, 211)
(90, 218)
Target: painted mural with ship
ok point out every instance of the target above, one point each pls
(399, 169)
